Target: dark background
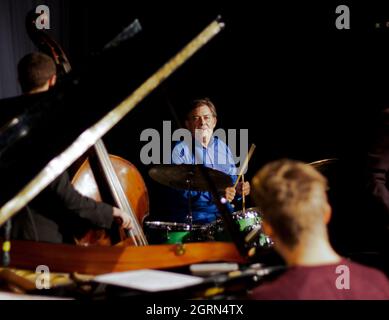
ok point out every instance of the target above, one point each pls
(302, 88)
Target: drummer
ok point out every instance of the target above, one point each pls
(201, 119)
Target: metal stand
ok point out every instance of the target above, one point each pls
(189, 217)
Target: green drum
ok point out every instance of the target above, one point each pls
(175, 232)
(247, 219)
(250, 224)
(250, 227)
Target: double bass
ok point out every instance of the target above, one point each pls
(101, 176)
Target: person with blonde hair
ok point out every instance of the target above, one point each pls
(293, 199)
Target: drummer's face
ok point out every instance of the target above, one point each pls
(201, 121)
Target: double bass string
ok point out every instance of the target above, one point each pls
(135, 233)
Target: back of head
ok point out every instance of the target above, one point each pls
(34, 70)
(292, 197)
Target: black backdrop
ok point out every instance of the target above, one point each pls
(304, 89)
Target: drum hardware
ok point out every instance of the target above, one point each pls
(189, 217)
(180, 249)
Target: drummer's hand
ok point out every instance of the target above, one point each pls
(122, 218)
(243, 188)
(230, 193)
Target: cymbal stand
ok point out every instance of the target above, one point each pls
(189, 217)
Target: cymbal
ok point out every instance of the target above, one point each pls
(189, 177)
(322, 164)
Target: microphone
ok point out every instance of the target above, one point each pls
(6, 259)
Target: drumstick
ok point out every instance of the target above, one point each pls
(245, 163)
(243, 198)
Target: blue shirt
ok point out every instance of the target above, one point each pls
(217, 156)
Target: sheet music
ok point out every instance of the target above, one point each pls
(149, 280)
(14, 296)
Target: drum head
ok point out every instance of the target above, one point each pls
(248, 213)
(175, 232)
(172, 226)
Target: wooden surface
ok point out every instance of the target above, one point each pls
(99, 259)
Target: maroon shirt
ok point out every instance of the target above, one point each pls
(320, 283)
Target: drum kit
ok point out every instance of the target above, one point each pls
(190, 177)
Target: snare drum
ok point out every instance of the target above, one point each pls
(175, 232)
